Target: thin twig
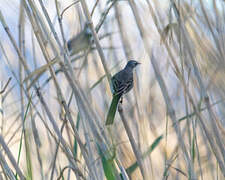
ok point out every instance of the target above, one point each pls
(11, 158)
(96, 39)
(104, 15)
(92, 12)
(3, 90)
(64, 10)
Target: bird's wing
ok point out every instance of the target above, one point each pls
(129, 85)
(121, 83)
(118, 85)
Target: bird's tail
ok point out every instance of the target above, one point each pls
(112, 109)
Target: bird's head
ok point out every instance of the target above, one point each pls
(87, 30)
(132, 64)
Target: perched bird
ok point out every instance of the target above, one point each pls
(121, 83)
(81, 41)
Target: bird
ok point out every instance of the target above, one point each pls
(80, 42)
(121, 83)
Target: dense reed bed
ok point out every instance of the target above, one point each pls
(57, 58)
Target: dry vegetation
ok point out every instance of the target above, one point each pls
(54, 102)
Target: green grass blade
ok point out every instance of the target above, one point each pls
(108, 165)
(21, 137)
(193, 149)
(75, 140)
(165, 173)
(133, 167)
(200, 109)
(153, 146)
(97, 82)
(101, 78)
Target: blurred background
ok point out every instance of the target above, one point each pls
(56, 60)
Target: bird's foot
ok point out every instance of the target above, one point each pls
(121, 100)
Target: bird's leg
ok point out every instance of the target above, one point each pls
(121, 100)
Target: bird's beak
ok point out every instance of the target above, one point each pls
(138, 63)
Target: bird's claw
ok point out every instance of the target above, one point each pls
(121, 100)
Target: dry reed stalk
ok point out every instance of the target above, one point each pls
(132, 142)
(11, 158)
(96, 39)
(160, 80)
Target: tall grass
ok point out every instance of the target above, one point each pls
(54, 101)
